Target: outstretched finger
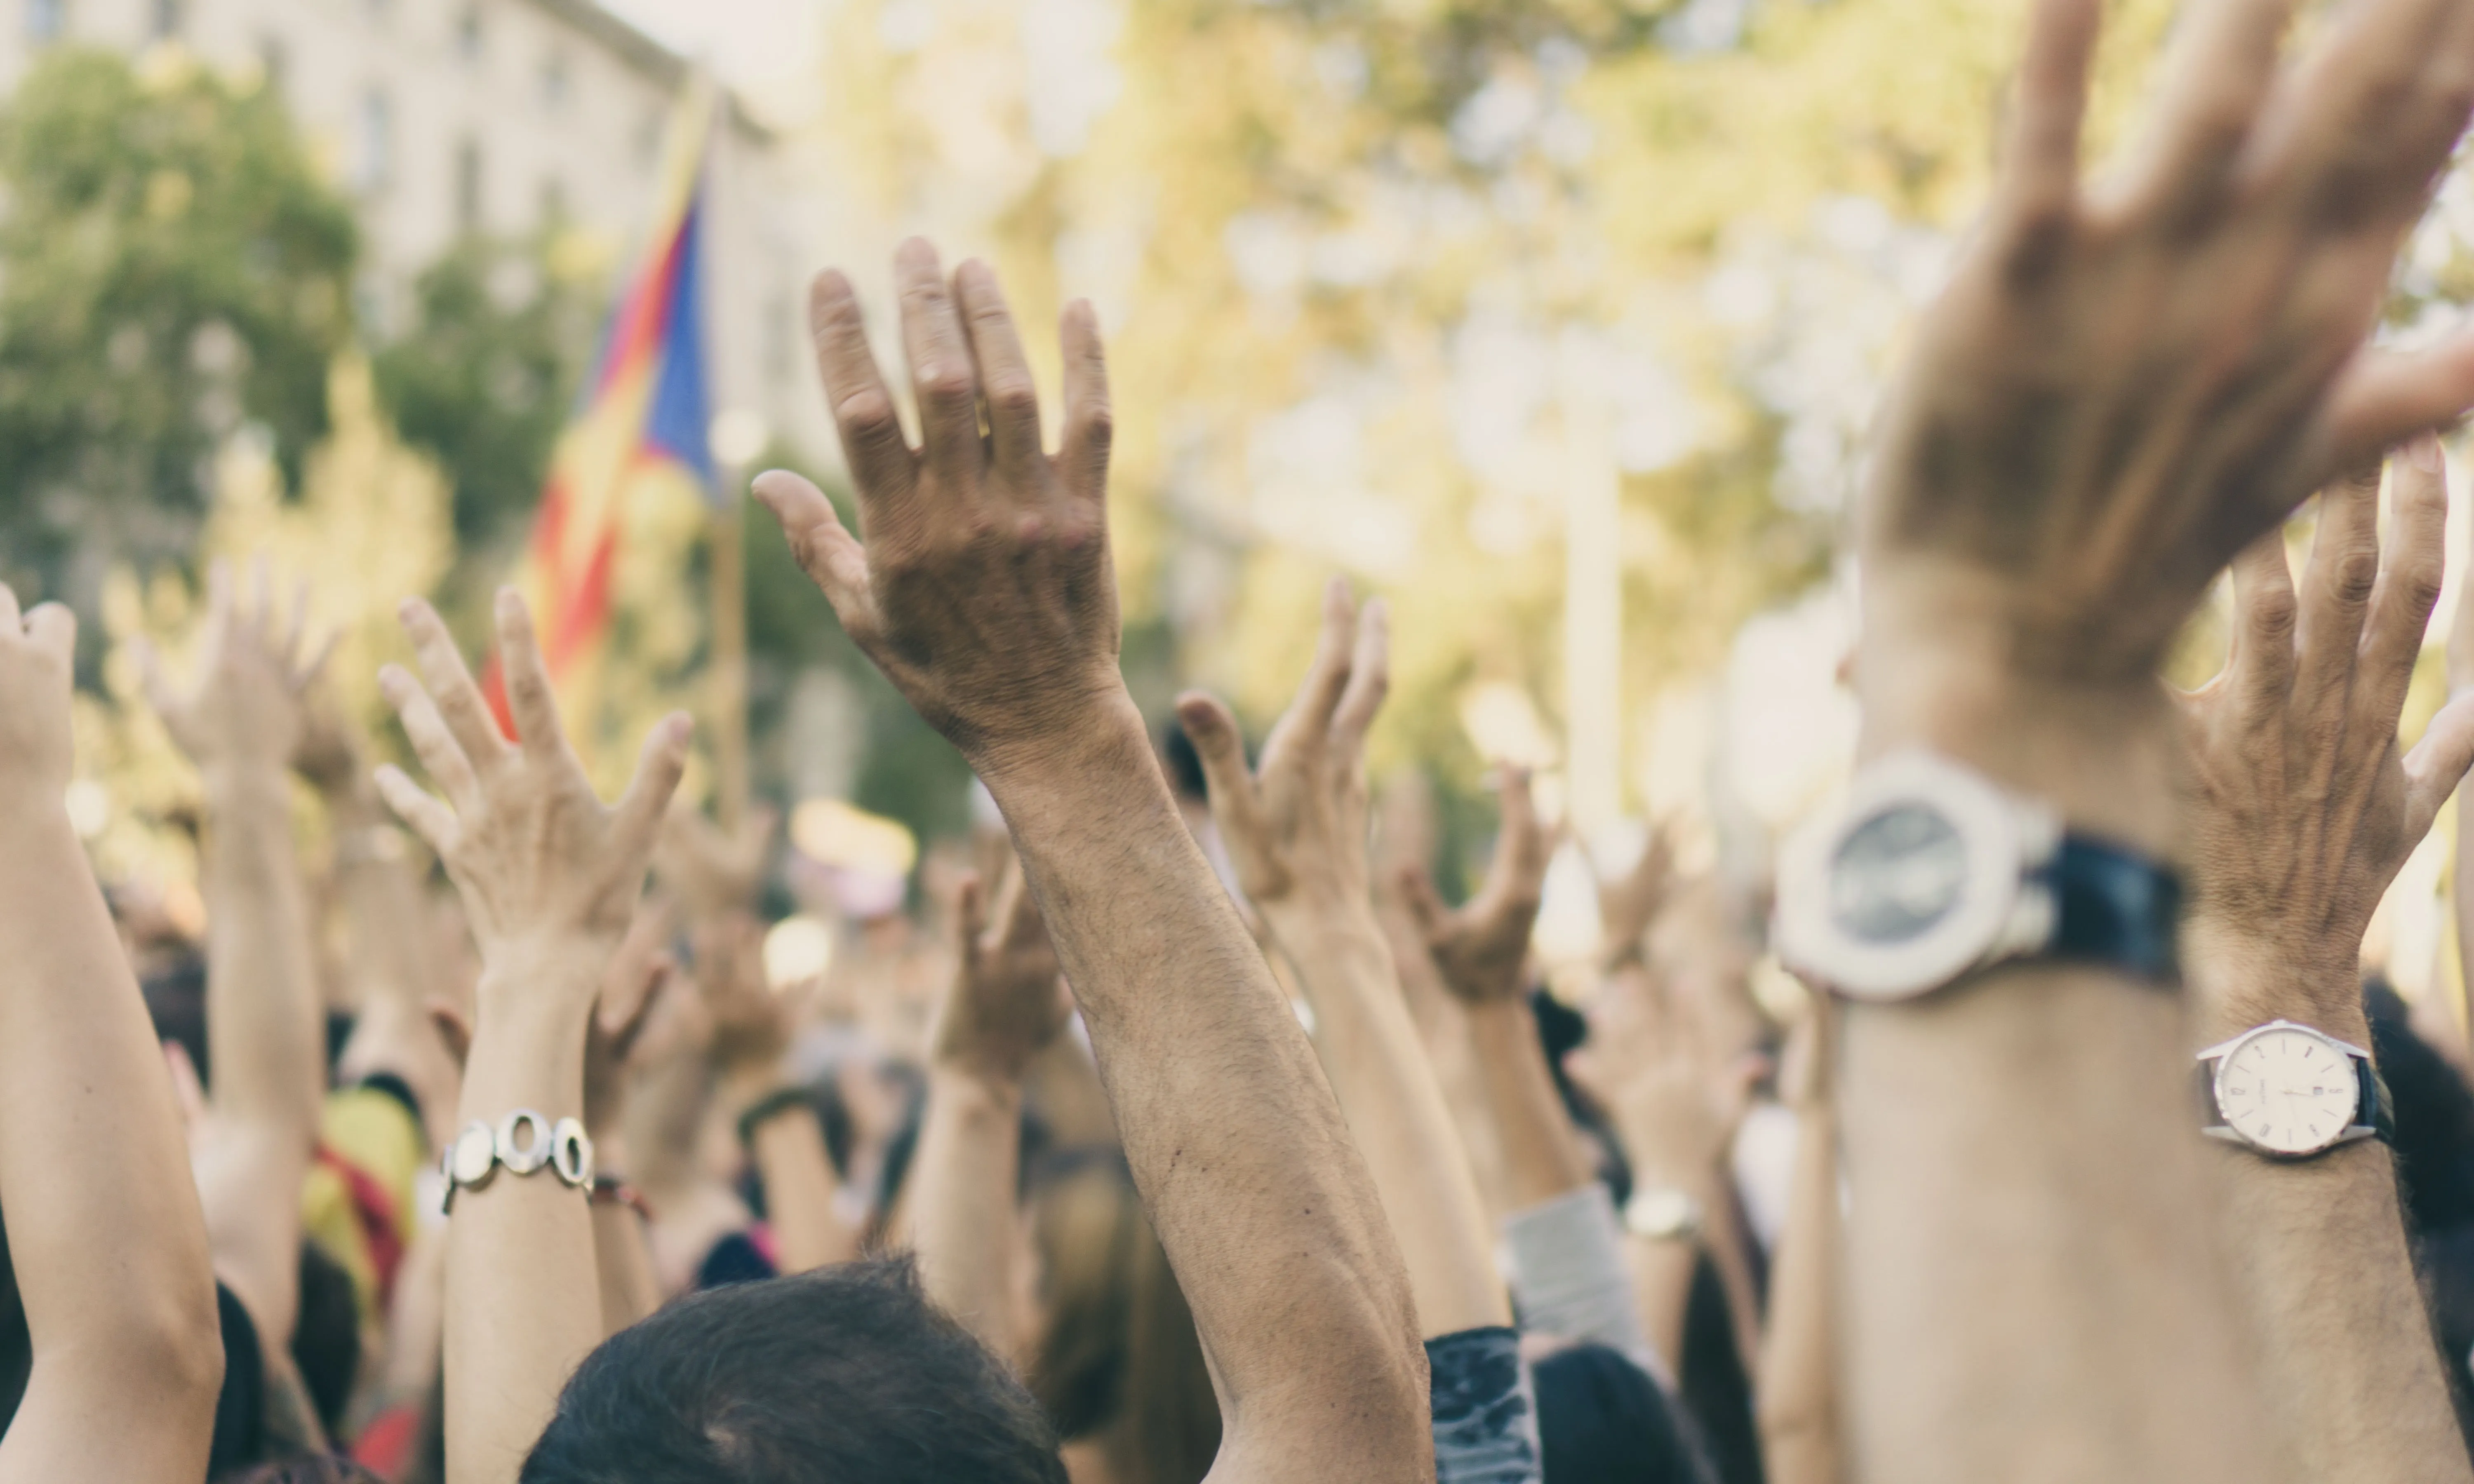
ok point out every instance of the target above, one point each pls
(659, 767)
(52, 628)
(883, 468)
(1521, 855)
(2040, 166)
(942, 376)
(2437, 764)
(1221, 750)
(530, 700)
(2337, 581)
(431, 740)
(970, 915)
(451, 684)
(1308, 718)
(1082, 454)
(1369, 677)
(2262, 663)
(2416, 562)
(1005, 378)
(830, 555)
(421, 810)
(2221, 71)
(2386, 397)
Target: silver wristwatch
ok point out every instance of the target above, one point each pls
(2289, 1091)
(524, 1143)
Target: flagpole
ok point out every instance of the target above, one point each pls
(729, 699)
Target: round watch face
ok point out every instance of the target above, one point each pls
(476, 1151)
(2289, 1091)
(1898, 875)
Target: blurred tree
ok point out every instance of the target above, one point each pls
(172, 269)
(485, 376)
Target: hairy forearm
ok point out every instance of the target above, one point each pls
(1798, 1391)
(1396, 1111)
(2319, 1252)
(1246, 1169)
(2033, 1291)
(265, 1024)
(1541, 1151)
(961, 1205)
(523, 1301)
(104, 1225)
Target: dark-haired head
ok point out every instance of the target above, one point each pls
(847, 1372)
(309, 1468)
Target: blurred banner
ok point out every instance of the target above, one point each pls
(640, 425)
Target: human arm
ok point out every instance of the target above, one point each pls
(1796, 1395)
(110, 1254)
(983, 591)
(2116, 393)
(378, 885)
(266, 1022)
(549, 876)
(1296, 829)
(2302, 811)
(1005, 1007)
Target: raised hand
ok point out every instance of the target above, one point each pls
(982, 588)
(1008, 999)
(1296, 824)
(1482, 948)
(2122, 387)
(246, 709)
(1629, 903)
(2300, 807)
(713, 871)
(546, 869)
(38, 651)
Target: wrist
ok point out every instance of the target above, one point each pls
(242, 782)
(2242, 978)
(542, 979)
(1106, 739)
(973, 1091)
(2100, 752)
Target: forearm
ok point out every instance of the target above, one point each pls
(2032, 1289)
(800, 1188)
(2319, 1251)
(1798, 1389)
(104, 1225)
(622, 1262)
(265, 1022)
(1396, 1111)
(523, 1301)
(1541, 1151)
(961, 1205)
(392, 975)
(1258, 1195)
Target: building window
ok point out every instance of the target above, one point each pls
(554, 81)
(46, 19)
(377, 165)
(468, 186)
(165, 19)
(468, 34)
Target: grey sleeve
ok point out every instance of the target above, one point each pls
(1486, 1413)
(1568, 1276)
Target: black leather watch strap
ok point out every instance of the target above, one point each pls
(2115, 907)
(2375, 1108)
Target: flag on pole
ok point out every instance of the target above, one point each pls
(640, 428)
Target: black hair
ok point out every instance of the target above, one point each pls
(845, 1373)
(2435, 1117)
(326, 1335)
(1183, 764)
(303, 1469)
(1601, 1419)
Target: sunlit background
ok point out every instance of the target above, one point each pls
(1557, 322)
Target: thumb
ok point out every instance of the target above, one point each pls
(2438, 763)
(54, 628)
(452, 1029)
(831, 555)
(1425, 908)
(1222, 748)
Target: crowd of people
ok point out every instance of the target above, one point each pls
(1184, 1129)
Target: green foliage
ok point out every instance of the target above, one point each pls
(172, 268)
(485, 376)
